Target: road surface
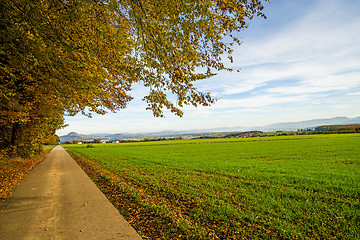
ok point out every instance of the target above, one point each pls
(57, 200)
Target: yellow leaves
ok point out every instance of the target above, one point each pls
(12, 170)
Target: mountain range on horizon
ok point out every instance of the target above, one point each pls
(285, 126)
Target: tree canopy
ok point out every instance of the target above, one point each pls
(65, 57)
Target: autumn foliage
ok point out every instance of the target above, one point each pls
(66, 57)
(14, 169)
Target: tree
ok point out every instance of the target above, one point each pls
(64, 57)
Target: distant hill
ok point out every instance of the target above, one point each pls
(286, 126)
(311, 124)
(73, 135)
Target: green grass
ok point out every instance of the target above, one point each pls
(273, 187)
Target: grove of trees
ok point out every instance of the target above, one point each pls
(62, 57)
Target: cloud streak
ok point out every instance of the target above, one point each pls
(319, 52)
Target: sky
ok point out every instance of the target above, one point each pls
(301, 63)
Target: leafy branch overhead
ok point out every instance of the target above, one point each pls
(173, 39)
(64, 57)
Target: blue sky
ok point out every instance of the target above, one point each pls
(301, 63)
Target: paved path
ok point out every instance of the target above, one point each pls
(57, 200)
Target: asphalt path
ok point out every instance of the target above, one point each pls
(57, 200)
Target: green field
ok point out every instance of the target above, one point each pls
(292, 187)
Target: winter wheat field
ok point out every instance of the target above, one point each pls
(272, 187)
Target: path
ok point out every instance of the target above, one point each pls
(57, 200)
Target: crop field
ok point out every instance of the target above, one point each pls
(292, 187)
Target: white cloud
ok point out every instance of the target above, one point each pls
(328, 26)
(258, 101)
(316, 50)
